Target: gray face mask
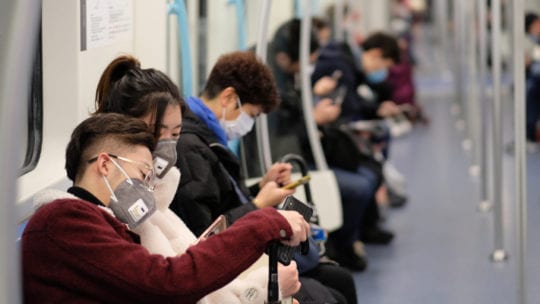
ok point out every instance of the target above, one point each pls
(164, 156)
(132, 202)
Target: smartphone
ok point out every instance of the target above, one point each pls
(336, 75)
(339, 95)
(216, 227)
(298, 182)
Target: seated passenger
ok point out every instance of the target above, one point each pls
(532, 57)
(75, 250)
(358, 181)
(150, 95)
(238, 89)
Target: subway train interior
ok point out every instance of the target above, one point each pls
(418, 122)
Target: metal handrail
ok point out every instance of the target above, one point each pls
(241, 24)
(307, 97)
(499, 253)
(178, 8)
(19, 25)
(520, 157)
(263, 140)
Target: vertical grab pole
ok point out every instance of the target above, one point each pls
(475, 115)
(193, 21)
(499, 254)
(520, 157)
(263, 141)
(178, 7)
(19, 24)
(442, 17)
(307, 97)
(458, 71)
(485, 205)
(338, 20)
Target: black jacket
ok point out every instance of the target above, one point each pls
(207, 167)
(338, 56)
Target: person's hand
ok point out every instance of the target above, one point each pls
(165, 188)
(279, 173)
(299, 227)
(271, 194)
(289, 283)
(324, 86)
(388, 108)
(326, 111)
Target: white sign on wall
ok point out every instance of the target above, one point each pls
(105, 21)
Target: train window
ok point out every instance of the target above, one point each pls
(34, 126)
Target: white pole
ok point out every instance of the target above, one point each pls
(19, 24)
(520, 157)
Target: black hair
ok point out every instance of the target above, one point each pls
(287, 39)
(388, 44)
(124, 87)
(110, 129)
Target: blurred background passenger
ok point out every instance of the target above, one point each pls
(532, 59)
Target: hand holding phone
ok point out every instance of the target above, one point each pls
(216, 227)
(298, 182)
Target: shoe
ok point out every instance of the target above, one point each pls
(348, 259)
(377, 236)
(346, 256)
(396, 200)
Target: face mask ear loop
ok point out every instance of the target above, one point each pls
(123, 172)
(223, 112)
(113, 196)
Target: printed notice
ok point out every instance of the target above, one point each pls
(105, 21)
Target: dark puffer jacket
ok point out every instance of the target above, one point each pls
(206, 187)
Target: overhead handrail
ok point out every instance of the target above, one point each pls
(307, 97)
(520, 157)
(19, 24)
(178, 8)
(263, 140)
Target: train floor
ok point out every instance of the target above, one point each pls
(443, 243)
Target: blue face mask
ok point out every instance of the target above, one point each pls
(377, 76)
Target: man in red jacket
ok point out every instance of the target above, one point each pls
(75, 250)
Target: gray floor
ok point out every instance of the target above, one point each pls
(441, 251)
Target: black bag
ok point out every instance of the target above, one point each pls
(343, 149)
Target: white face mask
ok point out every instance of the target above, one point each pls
(238, 127)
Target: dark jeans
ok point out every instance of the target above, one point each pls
(357, 192)
(533, 104)
(338, 280)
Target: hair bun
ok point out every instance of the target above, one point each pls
(122, 65)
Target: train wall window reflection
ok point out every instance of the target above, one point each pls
(34, 126)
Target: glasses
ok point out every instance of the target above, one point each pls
(148, 177)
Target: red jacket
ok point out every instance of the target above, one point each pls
(74, 251)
